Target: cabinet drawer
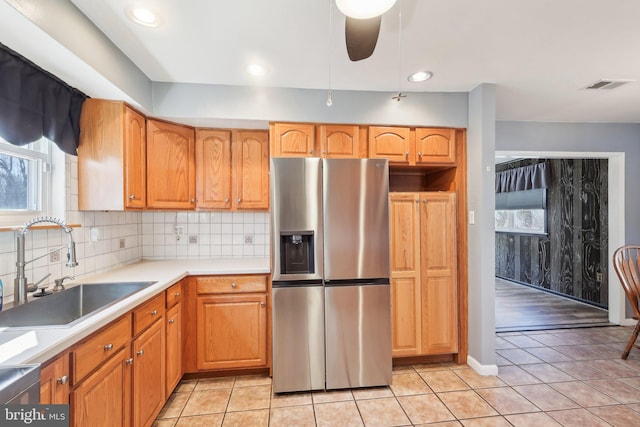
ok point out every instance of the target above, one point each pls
(100, 347)
(231, 284)
(148, 313)
(174, 294)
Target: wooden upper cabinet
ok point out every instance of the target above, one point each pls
(213, 168)
(341, 141)
(251, 170)
(170, 166)
(111, 157)
(292, 140)
(435, 146)
(394, 143)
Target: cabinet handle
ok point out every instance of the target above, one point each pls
(419, 153)
(108, 347)
(238, 200)
(324, 152)
(62, 380)
(226, 200)
(172, 321)
(129, 361)
(177, 294)
(233, 285)
(154, 313)
(417, 200)
(310, 151)
(262, 304)
(140, 352)
(424, 201)
(132, 196)
(193, 200)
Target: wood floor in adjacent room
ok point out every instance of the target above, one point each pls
(522, 308)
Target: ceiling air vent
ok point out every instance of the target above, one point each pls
(608, 84)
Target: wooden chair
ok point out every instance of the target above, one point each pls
(626, 262)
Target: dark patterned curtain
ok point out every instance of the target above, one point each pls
(524, 178)
(35, 103)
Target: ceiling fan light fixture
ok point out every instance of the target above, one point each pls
(420, 76)
(364, 9)
(143, 16)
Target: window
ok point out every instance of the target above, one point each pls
(521, 221)
(25, 181)
(522, 211)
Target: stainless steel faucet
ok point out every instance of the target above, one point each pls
(20, 282)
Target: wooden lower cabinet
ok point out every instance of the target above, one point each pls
(54, 381)
(173, 360)
(148, 374)
(231, 331)
(424, 302)
(104, 397)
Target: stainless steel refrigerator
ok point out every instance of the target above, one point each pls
(330, 266)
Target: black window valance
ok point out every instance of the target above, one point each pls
(529, 177)
(34, 103)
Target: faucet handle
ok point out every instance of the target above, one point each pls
(59, 286)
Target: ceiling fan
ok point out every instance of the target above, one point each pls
(362, 25)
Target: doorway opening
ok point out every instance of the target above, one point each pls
(559, 274)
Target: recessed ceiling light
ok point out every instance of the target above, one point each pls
(143, 16)
(256, 70)
(420, 76)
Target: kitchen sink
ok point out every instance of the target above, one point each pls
(68, 307)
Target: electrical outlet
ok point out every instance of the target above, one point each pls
(248, 239)
(598, 277)
(54, 256)
(193, 239)
(122, 243)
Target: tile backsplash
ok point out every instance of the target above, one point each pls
(107, 240)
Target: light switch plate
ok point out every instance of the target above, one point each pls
(472, 217)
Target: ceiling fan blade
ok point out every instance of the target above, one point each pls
(361, 36)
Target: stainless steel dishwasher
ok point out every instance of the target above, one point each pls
(19, 384)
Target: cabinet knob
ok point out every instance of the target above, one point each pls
(226, 200)
(177, 294)
(129, 361)
(193, 200)
(172, 321)
(407, 154)
(419, 153)
(417, 200)
(324, 152)
(233, 285)
(62, 380)
(238, 200)
(140, 352)
(310, 151)
(424, 201)
(108, 347)
(154, 313)
(132, 196)
(262, 304)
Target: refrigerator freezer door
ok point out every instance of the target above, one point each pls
(358, 336)
(298, 338)
(356, 218)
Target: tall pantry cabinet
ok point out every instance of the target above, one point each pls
(424, 273)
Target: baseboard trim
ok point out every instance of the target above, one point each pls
(485, 370)
(629, 322)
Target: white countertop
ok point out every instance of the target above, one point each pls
(39, 345)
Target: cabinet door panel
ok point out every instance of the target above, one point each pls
(135, 167)
(170, 166)
(231, 331)
(251, 170)
(54, 381)
(103, 399)
(439, 276)
(393, 143)
(292, 140)
(340, 142)
(406, 316)
(174, 348)
(436, 146)
(148, 374)
(213, 168)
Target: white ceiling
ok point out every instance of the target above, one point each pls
(541, 54)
